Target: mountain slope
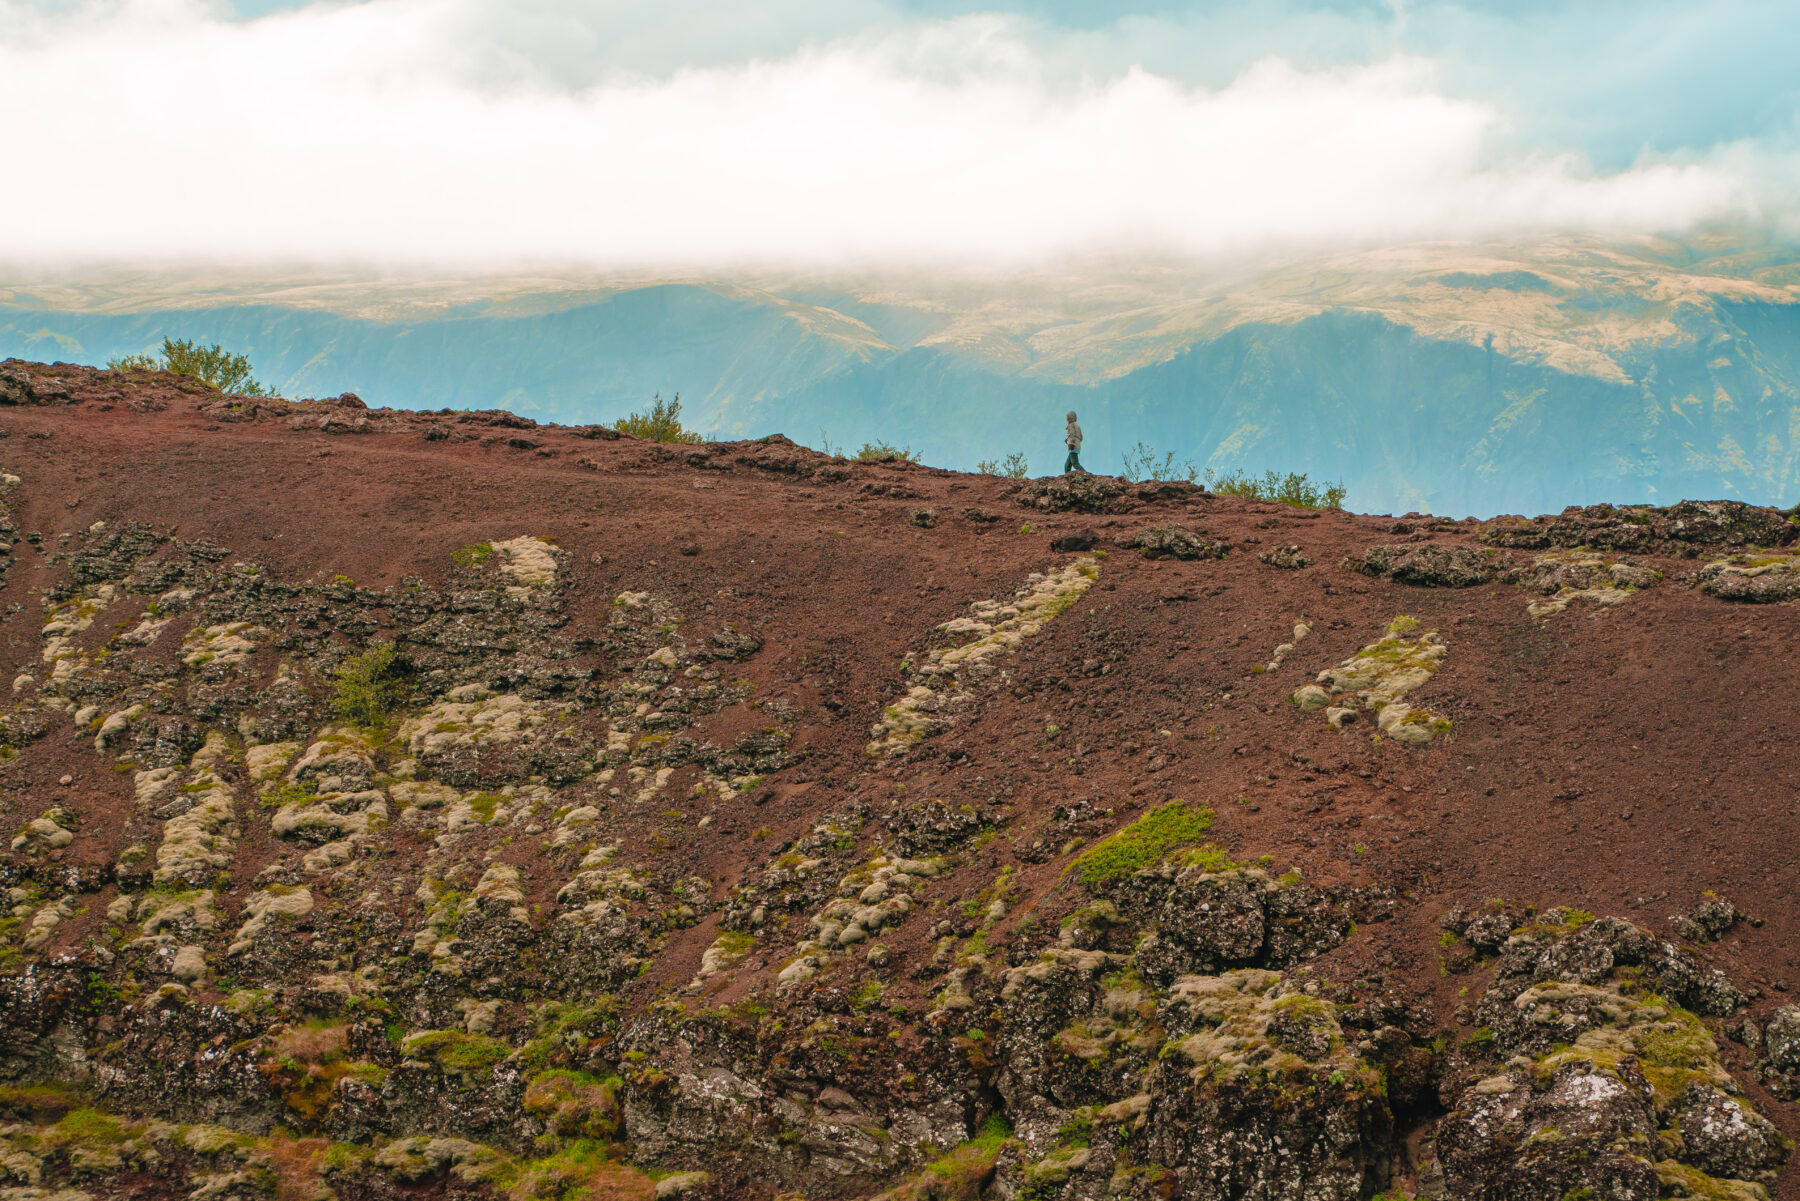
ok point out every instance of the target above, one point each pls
(566, 361)
(1459, 379)
(431, 805)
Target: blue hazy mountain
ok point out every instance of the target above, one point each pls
(1450, 378)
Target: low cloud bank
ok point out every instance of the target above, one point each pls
(157, 129)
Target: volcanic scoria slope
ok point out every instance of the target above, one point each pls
(409, 804)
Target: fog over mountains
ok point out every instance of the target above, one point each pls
(1453, 378)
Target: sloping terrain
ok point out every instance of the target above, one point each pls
(411, 804)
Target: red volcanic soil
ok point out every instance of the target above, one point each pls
(1625, 760)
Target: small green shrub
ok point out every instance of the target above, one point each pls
(369, 686)
(473, 555)
(662, 423)
(886, 450)
(1291, 488)
(213, 366)
(1143, 842)
(1012, 467)
(1141, 463)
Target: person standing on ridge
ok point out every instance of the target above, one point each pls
(1072, 436)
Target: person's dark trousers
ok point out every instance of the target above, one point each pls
(1074, 463)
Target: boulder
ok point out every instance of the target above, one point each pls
(1176, 542)
(1428, 565)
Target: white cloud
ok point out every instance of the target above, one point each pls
(396, 131)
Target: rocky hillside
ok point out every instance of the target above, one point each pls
(408, 805)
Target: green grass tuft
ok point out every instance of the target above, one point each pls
(455, 1051)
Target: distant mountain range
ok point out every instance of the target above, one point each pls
(1449, 378)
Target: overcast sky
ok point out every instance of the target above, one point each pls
(721, 133)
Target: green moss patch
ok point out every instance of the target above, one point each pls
(1144, 842)
(463, 1054)
(473, 555)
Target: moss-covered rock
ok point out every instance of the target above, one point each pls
(1602, 1072)
(1760, 578)
(1374, 681)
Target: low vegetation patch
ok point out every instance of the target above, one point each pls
(575, 1104)
(886, 450)
(1141, 463)
(661, 423)
(973, 1161)
(473, 555)
(1012, 467)
(369, 686)
(461, 1054)
(1287, 488)
(213, 366)
(1144, 842)
(1294, 488)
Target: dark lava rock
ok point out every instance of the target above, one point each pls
(1428, 565)
(1069, 543)
(1176, 542)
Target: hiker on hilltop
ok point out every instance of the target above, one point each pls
(1072, 436)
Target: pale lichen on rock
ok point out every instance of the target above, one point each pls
(222, 645)
(1376, 678)
(1564, 577)
(267, 910)
(994, 629)
(1763, 578)
(528, 563)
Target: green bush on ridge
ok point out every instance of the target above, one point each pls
(662, 423)
(1292, 488)
(1012, 467)
(1287, 488)
(879, 449)
(212, 365)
